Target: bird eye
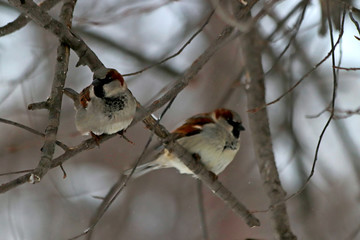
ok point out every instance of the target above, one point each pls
(237, 127)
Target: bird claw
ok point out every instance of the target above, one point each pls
(96, 138)
(196, 157)
(121, 133)
(213, 176)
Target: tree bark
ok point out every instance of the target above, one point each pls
(261, 137)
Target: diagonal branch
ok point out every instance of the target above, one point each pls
(29, 129)
(55, 100)
(22, 20)
(65, 35)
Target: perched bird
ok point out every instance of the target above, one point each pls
(106, 106)
(214, 137)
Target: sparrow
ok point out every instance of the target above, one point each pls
(106, 106)
(213, 137)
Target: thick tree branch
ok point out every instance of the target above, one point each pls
(55, 99)
(259, 125)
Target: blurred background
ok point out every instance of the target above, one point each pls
(131, 34)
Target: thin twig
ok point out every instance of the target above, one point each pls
(347, 69)
(29, 129)
(110, 197)
(118, 186)
(42, 18)
(281, 23)
(253, 110)
(179, 51)
(16, 172)
(22, 20)
(354, 20)
(335, 85)
(292, 38)
(126, 50)
(200, 198)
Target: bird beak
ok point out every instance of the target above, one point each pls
(241, 127)
(96, 82)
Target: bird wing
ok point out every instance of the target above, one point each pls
(85, 97)
(192, 126)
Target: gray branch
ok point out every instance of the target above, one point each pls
(260, 130)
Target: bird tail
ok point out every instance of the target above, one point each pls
(143, 169)
(71, 93)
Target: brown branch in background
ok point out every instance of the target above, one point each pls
(347, 69)
(292, 38)
(126, 50)
(332, 106)
(353, 19)
(200, 198)
(255, 109)
(16, 172)
(29, 129)
(259, 125)
(65, 35)
(22, 20)
(280, 23)
(54, 102)
(110, 197)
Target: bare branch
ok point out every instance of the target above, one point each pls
(179, 51)
(253, 110)
(22, 20)
(204, 229)
(259, 124)
(16, 172)
(65, 35)
(292, 38)
(117, 188)
(29, 129)
(347, 69)
(55, 99)
(139, 57)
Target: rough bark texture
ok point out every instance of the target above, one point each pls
(259, 125)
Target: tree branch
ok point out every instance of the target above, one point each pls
(55, 100)
(22, 20)
(65, 35)
(259, 124)
(29, 129)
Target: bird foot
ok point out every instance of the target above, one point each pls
(96, 138)
(121, 133)
(213, 176)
